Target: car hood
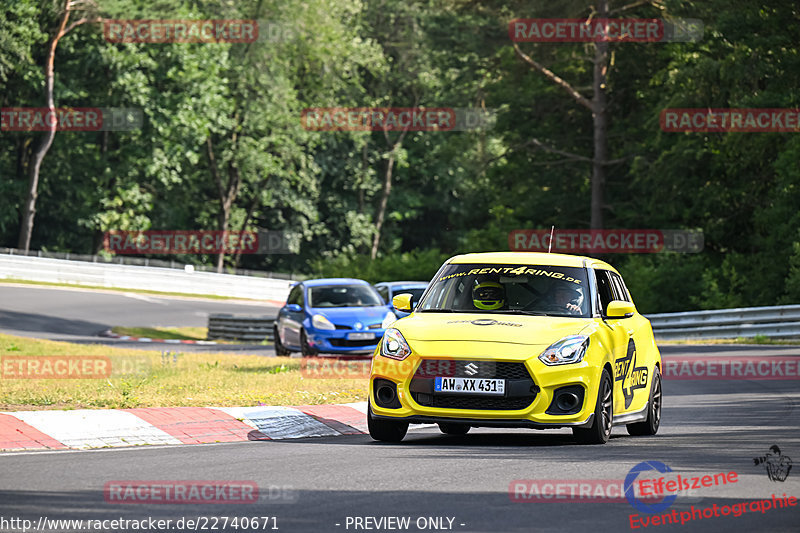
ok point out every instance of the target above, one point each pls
(483, 327)
(346, 316)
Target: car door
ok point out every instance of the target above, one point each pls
(636, 383)
(290, 322)
(616, 332)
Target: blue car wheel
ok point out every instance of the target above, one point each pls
(305, 349)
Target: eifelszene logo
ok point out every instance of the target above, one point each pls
(625, 370)
(630, 494)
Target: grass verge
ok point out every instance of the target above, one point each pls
(185, 334)
(151, 379)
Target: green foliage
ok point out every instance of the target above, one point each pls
(452, 192)
(792, 293)
(416, 265)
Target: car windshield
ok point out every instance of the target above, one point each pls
(509, 289)
(343, 296)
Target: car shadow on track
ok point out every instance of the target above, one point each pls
(434, 439)
(14, 320)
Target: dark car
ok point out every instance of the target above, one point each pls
(390, 289)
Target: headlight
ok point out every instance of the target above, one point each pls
(568, 350)
(321, 322)
(388, 320)
(394, 345)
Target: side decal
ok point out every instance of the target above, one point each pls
(632, 377)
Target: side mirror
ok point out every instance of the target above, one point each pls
(294, 308)
(402, 302)
(620, 309)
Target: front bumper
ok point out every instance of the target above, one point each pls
(336, 341)
(524, 404)
(489, 423)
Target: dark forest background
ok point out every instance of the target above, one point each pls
(222, 146)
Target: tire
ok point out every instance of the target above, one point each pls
(305, 349)
(280, 349)
(650, 425)
(600, 430)
(385, 430)
(453, 429)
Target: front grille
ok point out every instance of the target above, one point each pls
(430, 368)
(486, 403)
(347, 343)
(521, 390)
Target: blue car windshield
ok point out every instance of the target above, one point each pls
(509, 289)
(343, 296)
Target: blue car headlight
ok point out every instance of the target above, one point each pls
(322, 322)
(394, 346)
(568, 350)
(388, 320)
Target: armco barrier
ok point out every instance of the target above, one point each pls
(145, 261)
(773, 322)
(112, 275)
(240, 328)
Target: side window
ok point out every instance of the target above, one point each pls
(384, 292)
(605, 288)
(621, 292)
(296, 296)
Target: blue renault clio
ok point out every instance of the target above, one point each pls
(335, 315)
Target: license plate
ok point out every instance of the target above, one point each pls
(361, 336)
(495, 387)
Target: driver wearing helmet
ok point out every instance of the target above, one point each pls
(488, 295)
(562, 298)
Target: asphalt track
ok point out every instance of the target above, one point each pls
(708, 427)
(79, 316)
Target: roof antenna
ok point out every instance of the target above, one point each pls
(550, 246)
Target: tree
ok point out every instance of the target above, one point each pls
(29, 207)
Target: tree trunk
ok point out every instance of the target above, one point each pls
(387, 188)
(597, 106)
(600, 123)
(251, 208)
(227, 192)
(29, 208)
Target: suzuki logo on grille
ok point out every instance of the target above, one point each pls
(471, 369)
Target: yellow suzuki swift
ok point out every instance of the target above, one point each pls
(518, 339)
